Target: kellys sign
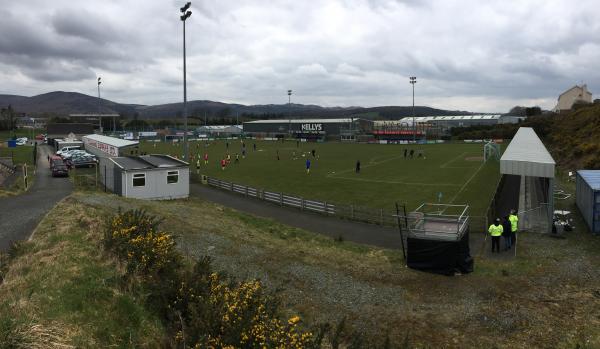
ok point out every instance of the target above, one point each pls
(312, 128)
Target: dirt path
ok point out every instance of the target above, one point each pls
(19, 215)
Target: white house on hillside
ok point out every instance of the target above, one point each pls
(571, 96)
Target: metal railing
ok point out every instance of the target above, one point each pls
(6, 165)
(350, 212)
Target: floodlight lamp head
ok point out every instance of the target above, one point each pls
(185, 7)
(186, 15)
(289, 92)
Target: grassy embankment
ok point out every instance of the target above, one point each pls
(20, 155)
(60, 289)
(61, 282)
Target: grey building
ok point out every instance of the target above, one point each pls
(588, 198)
(63, 130)
(307, 128)
(104, 146)
(151, 177)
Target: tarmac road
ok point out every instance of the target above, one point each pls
(19, 215)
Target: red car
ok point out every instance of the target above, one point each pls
(58, 167)
(39, 137)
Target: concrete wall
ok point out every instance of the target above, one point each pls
(156, 187)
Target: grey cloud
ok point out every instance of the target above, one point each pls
(346, 52)
(84, 25)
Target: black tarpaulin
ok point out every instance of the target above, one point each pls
(442, 257)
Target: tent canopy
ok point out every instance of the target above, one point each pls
(526, 155)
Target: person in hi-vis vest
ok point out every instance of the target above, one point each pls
(514, 225)
(495, 231)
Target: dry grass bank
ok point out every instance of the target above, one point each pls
(512, 303)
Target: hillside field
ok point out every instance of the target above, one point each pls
(456, 171)
(61, 287)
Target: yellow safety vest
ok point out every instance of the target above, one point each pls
(514, 220)
(495, 230)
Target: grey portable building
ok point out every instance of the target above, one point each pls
(152, 177)
(587, 196)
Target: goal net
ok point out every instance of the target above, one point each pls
(491, 150)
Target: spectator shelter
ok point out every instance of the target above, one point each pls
(219, 130)
(527, 157)
(152, 177)
(104, 146)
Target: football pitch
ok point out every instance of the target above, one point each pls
(445, 173)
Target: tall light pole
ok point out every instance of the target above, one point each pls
(290, 113)
(99, 117)
(413, 81)
(186, 14)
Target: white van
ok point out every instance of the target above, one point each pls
(66, 149)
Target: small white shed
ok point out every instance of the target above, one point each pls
(151, 177)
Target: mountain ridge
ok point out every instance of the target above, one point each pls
(63, 103)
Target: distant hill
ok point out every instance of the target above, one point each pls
(63, 103)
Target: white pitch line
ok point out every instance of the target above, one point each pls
(467, 182)
(452, 160)
(370, 164)
(395, 182)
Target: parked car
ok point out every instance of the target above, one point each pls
(22, 141)
(74, 152)
(40, 137)
(81, 161)
(58, 167)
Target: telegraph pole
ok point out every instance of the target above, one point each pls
(186, 14)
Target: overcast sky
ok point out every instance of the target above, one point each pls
(470, 55)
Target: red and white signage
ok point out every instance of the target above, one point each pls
(106, 148)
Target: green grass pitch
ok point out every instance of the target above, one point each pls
(454, 170)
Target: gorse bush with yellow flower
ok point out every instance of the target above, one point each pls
(199, 306)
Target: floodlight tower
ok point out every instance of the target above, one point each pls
(413, 81)
(99, 117)
(290, 112)
(186, 14)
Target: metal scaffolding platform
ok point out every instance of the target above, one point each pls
(440, 222)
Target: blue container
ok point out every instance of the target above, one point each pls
(588, 197)
(12, 143)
